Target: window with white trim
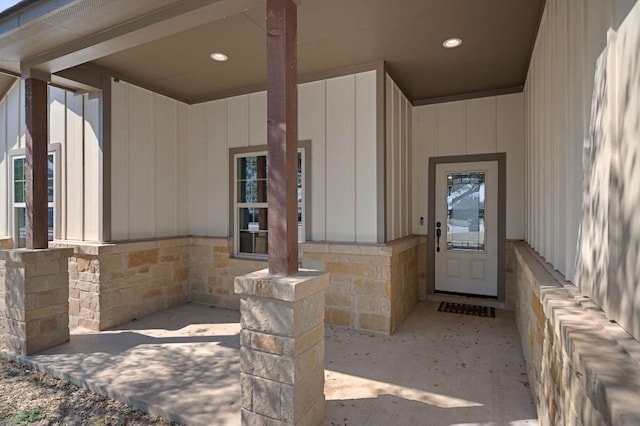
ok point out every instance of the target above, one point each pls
(251, 229)
(19, 198)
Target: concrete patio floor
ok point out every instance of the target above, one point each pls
(183, 364)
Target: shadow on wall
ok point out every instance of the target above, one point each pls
(609, 256)
(626, 185)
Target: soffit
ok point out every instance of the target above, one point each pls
(498, 36)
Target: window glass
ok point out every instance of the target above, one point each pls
(465, 211)
(251, 204)
(19, 198)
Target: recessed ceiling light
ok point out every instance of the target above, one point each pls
(452, 42)
(219, 57)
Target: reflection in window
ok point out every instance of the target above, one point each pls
(465, 211)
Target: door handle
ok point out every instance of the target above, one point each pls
(438, 235)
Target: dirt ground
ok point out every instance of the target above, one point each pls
(29, 397)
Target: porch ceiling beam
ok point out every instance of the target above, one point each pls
(152, 26)
(282, 127)
(36, 197)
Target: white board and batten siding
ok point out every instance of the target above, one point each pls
(398, 161)
(149, 164)
(475, 126)
(582, 99)
(74, 134)
(171, 161)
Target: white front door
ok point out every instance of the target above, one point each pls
(466, 216)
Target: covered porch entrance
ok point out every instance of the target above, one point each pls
(184, 364)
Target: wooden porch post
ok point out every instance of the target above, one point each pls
(282, 126)
(36, 163)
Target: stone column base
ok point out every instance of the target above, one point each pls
(282, 348)
(35, 300)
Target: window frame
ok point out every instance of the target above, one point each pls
(16, 154)
(304, 148)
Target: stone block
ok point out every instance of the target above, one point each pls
(269, 366)
(139, 258)
(267, 315)
(374, 322)
(359, 270)
(288, 288)
(339, 300)
(339, 317)
(373, 304)
(47, 298)
(372, 287)
(181, 274)
(267, 343)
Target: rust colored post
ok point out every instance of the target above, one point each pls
(282, 126)
(36, 164)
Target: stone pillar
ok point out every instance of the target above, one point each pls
(36, 298)
(282, 347)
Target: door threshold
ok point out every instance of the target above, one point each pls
(468, 300)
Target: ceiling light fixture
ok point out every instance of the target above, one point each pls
(452, 42)
(219, 57)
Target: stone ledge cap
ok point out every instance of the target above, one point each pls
(288, 288)
(24, 255)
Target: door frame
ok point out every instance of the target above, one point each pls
(501, 158)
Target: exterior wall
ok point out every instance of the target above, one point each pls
(149, 174)
(475, 126)
(582, 96)
(582, 368)
(111, 284)
(337, 115)
(170, 161)
(372, 287)
(74, 128)
(213, 269)
(398, 161)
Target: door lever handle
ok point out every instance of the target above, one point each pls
(438, 235)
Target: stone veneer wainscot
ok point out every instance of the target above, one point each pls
(372, 287)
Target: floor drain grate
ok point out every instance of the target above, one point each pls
(459, 308)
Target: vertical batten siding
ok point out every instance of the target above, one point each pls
(120, 161)
(148, 153)
(312, 120)
(365, 153)
(336, 115)
(4, 170)
(67, 124)
(74, 176)
(475, 126)
(197, 170)
(341, 160)
(92, 168)
(166, 170)
(582, 95)
(217, 168)
(182, 177)
(423, 143)
(398, 164)
(141, 141)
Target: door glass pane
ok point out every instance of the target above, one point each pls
(465, 211)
